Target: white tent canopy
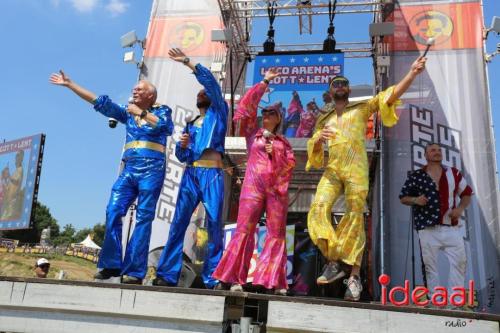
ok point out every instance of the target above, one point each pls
(87, 242)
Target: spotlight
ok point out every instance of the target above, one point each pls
(129, 39)
(269, 43)
(330, 42)
(271, 12)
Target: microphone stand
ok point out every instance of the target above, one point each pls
(412, 239)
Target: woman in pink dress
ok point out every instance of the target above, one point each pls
(268, 173)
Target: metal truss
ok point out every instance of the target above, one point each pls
(305, 16)
(238, 27)
(350, 49)
(238, 15)
(258, 8)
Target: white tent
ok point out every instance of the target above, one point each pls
(87, 242)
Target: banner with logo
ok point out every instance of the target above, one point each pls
(447, 104)
(20, 166)
(260, 238)
(186, 25)
(301, 89)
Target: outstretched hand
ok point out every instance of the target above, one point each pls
(418, 65)
(271, 74)
(176, 54)
(60, 79)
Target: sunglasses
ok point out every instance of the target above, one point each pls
(340, 83)
(44, 266)
(269, 112)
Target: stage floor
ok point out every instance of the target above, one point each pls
(41, 305)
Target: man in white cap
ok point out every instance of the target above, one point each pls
(42, 267)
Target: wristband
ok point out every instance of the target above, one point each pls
(414, 201)
(144, 113)
(266, 81)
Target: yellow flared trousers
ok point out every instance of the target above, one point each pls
(347, 241)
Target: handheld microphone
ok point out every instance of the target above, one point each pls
(429, 43)
(112, 122)
(268, 135)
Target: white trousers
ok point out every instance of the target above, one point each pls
(451, 242)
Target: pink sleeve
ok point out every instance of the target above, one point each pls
(283, 164)
(246, 112)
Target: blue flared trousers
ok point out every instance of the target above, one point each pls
(141, 178)
(197, 184)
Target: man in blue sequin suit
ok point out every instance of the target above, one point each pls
(147, 125)
(201, 147)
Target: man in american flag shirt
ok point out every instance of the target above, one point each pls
(438, 196)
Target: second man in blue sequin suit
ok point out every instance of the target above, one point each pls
(201, 147)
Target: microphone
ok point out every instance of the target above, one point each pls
(268, 135)
(429, 43)
(112, 122)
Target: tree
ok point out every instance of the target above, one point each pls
(67, 236)
(42, 220)
(98, 232)
(82, 234)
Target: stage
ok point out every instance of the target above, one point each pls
(38, 305)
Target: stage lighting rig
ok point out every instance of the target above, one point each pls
(495, 27)
(330, 43)
(271, 13)
(129, 40)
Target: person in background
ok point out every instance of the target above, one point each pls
(292, 119)
(438, 196)
(42, 267)
(307, 120)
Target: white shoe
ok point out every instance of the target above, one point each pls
(354, 288)
(280, 292)
(236, 287)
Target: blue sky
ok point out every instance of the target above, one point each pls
(82, 37)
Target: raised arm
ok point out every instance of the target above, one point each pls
(204, 77)
(61, 79)
(247, 107)
(102, 104)
(417, 67)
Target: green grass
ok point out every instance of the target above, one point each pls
(22, 265)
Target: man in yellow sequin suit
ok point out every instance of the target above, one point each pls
(343, 129)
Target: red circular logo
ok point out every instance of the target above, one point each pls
(431, 24)
(384, 279)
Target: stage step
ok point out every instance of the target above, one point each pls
(44, 306)
(41, 305)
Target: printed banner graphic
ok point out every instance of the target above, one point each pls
(452, 26)
(301, 89)
(20, 163)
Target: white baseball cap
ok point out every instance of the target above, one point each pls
(42, 261)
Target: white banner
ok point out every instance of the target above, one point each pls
(186, 25)
(448, 104)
